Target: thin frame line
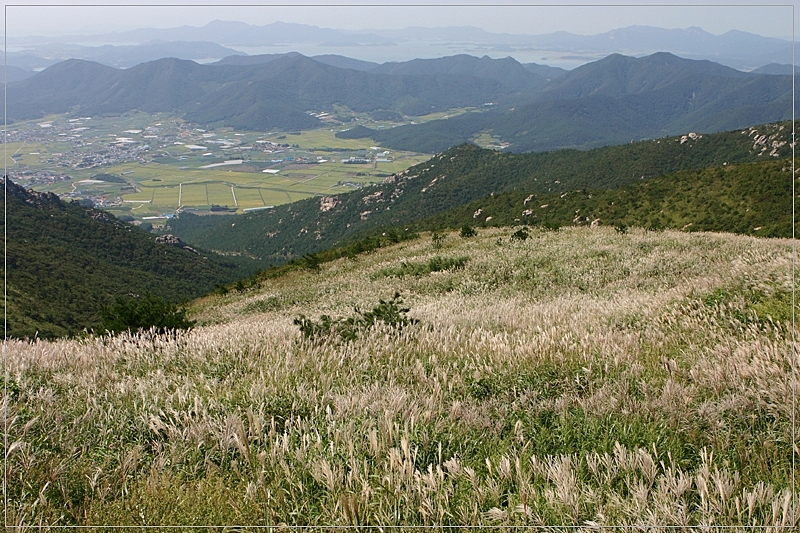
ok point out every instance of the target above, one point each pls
(435, 526)
(402, 5)
(5, 264)
(794, 260)
(5, 247)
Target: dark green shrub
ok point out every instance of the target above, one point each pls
(404, 269)
(348, 329)
(520, 235)
(468, 231)
(392, 236)
(317, 330)
(312, 261)
(434, 264)
(437, 264)
(271, 303)
(143, 313)
(550, 226)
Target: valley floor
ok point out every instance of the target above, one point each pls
(579, 377)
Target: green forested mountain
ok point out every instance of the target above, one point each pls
(17, 74)
(775, 69)
(546, 71)
(747, 198)
(40, 55)
(431, 137)
(694, 103)
(327, 59)
(613, 101)
(466, 174)
(65, 261)
(255, 96)
(610, 101)
(506, 71)
(618, 75)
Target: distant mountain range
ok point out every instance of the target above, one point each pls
(736, 49)
(255, 97)
(461, 64)
(777, 69)
(610, 101)
(125, 56)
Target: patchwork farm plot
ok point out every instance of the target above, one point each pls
(152, 165)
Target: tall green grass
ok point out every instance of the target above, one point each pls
(579, 377)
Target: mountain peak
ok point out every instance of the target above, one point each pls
(21, 195)
(617, 75)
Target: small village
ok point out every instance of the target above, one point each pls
(117, 162)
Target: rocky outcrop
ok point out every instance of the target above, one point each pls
(169, 239)
(172, 240)
(40, 200)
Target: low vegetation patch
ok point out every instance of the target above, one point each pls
(468, 232)
(389, 313)
(145, 312)
(434, 264)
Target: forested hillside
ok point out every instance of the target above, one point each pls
(66, 261)
(747, 198)
(257, 96)
(612, 101)
(466, 174)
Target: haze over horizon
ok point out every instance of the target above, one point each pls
(54, 20)
(736, 48)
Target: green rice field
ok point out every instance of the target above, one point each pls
(166, 164)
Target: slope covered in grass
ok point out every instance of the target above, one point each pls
(579, 377)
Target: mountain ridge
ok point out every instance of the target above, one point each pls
(616, 100)
(653, 96)
(467, 173)
(735, 48)
(297, 83)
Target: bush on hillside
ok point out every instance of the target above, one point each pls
(468, 231)
(520, 235)
(388, 312)
(144, 313)
(411, 268)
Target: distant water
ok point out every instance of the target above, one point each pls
(405, 51)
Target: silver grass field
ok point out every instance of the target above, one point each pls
(578, 378)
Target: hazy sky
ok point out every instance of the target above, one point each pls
(62, 18)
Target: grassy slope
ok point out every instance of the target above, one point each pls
(580, 375)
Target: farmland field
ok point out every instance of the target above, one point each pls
(575, 379)
(150, 156)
